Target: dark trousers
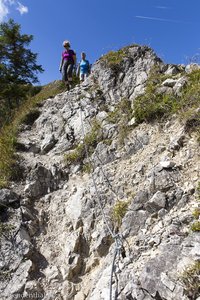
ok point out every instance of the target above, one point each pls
(67, 69)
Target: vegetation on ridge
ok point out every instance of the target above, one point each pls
(114, 58)
(8, 134)
(153, 105)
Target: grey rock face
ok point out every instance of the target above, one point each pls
(162, 179)
(42, 181)
(18, 281)
(48, 144)
(8, 199)
(65, 222)
(157, 202)
(128, 80)
(172, 70)
(191, 67)
(179, 85)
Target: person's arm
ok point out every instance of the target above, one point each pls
(89, 69)
(78, 70)
(74, 58)
(61, 63)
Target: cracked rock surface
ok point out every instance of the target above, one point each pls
(58, 245)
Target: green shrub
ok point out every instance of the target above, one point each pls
(189, 103)
(154, 106)
(121, 116)
(119, 211)
(123, 131)
(6, 229)
(87, 168)
(122, 109)
(191, 280)
(7, 154)
(5, 275)
(196, 213)
(198, 191)
(90, 142)
(75, 156)
(195, 226)
(114, 58)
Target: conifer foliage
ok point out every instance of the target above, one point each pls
(18, 66)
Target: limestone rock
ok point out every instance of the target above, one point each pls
(18, 281)
(64, 230)
(8, 199)
(48, 143)
(157, 202)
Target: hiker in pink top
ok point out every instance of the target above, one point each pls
(68, 60)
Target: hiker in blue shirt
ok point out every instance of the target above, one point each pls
(83, 69)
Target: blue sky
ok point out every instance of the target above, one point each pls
(169, 27)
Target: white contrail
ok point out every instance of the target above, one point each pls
(162, 7)
(161, 20)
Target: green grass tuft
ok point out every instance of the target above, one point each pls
(154, 106)
(196, 213)
(195, 226)
(114, 58)
(6, 229)
(121, 116)
(191, 280)
(119, 211)
(90, 141)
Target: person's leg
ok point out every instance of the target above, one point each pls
(81, 77)
(86, 75)
(69, 72)
(64, 72)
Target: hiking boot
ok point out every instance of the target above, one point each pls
(71, 85)
(67, 87)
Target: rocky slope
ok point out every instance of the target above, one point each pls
(122, 230)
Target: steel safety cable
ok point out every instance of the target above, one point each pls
(102, 170)
(93, 179)
(116, 237)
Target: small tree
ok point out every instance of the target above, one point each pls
(18, 68)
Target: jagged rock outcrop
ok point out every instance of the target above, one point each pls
(61, 245)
